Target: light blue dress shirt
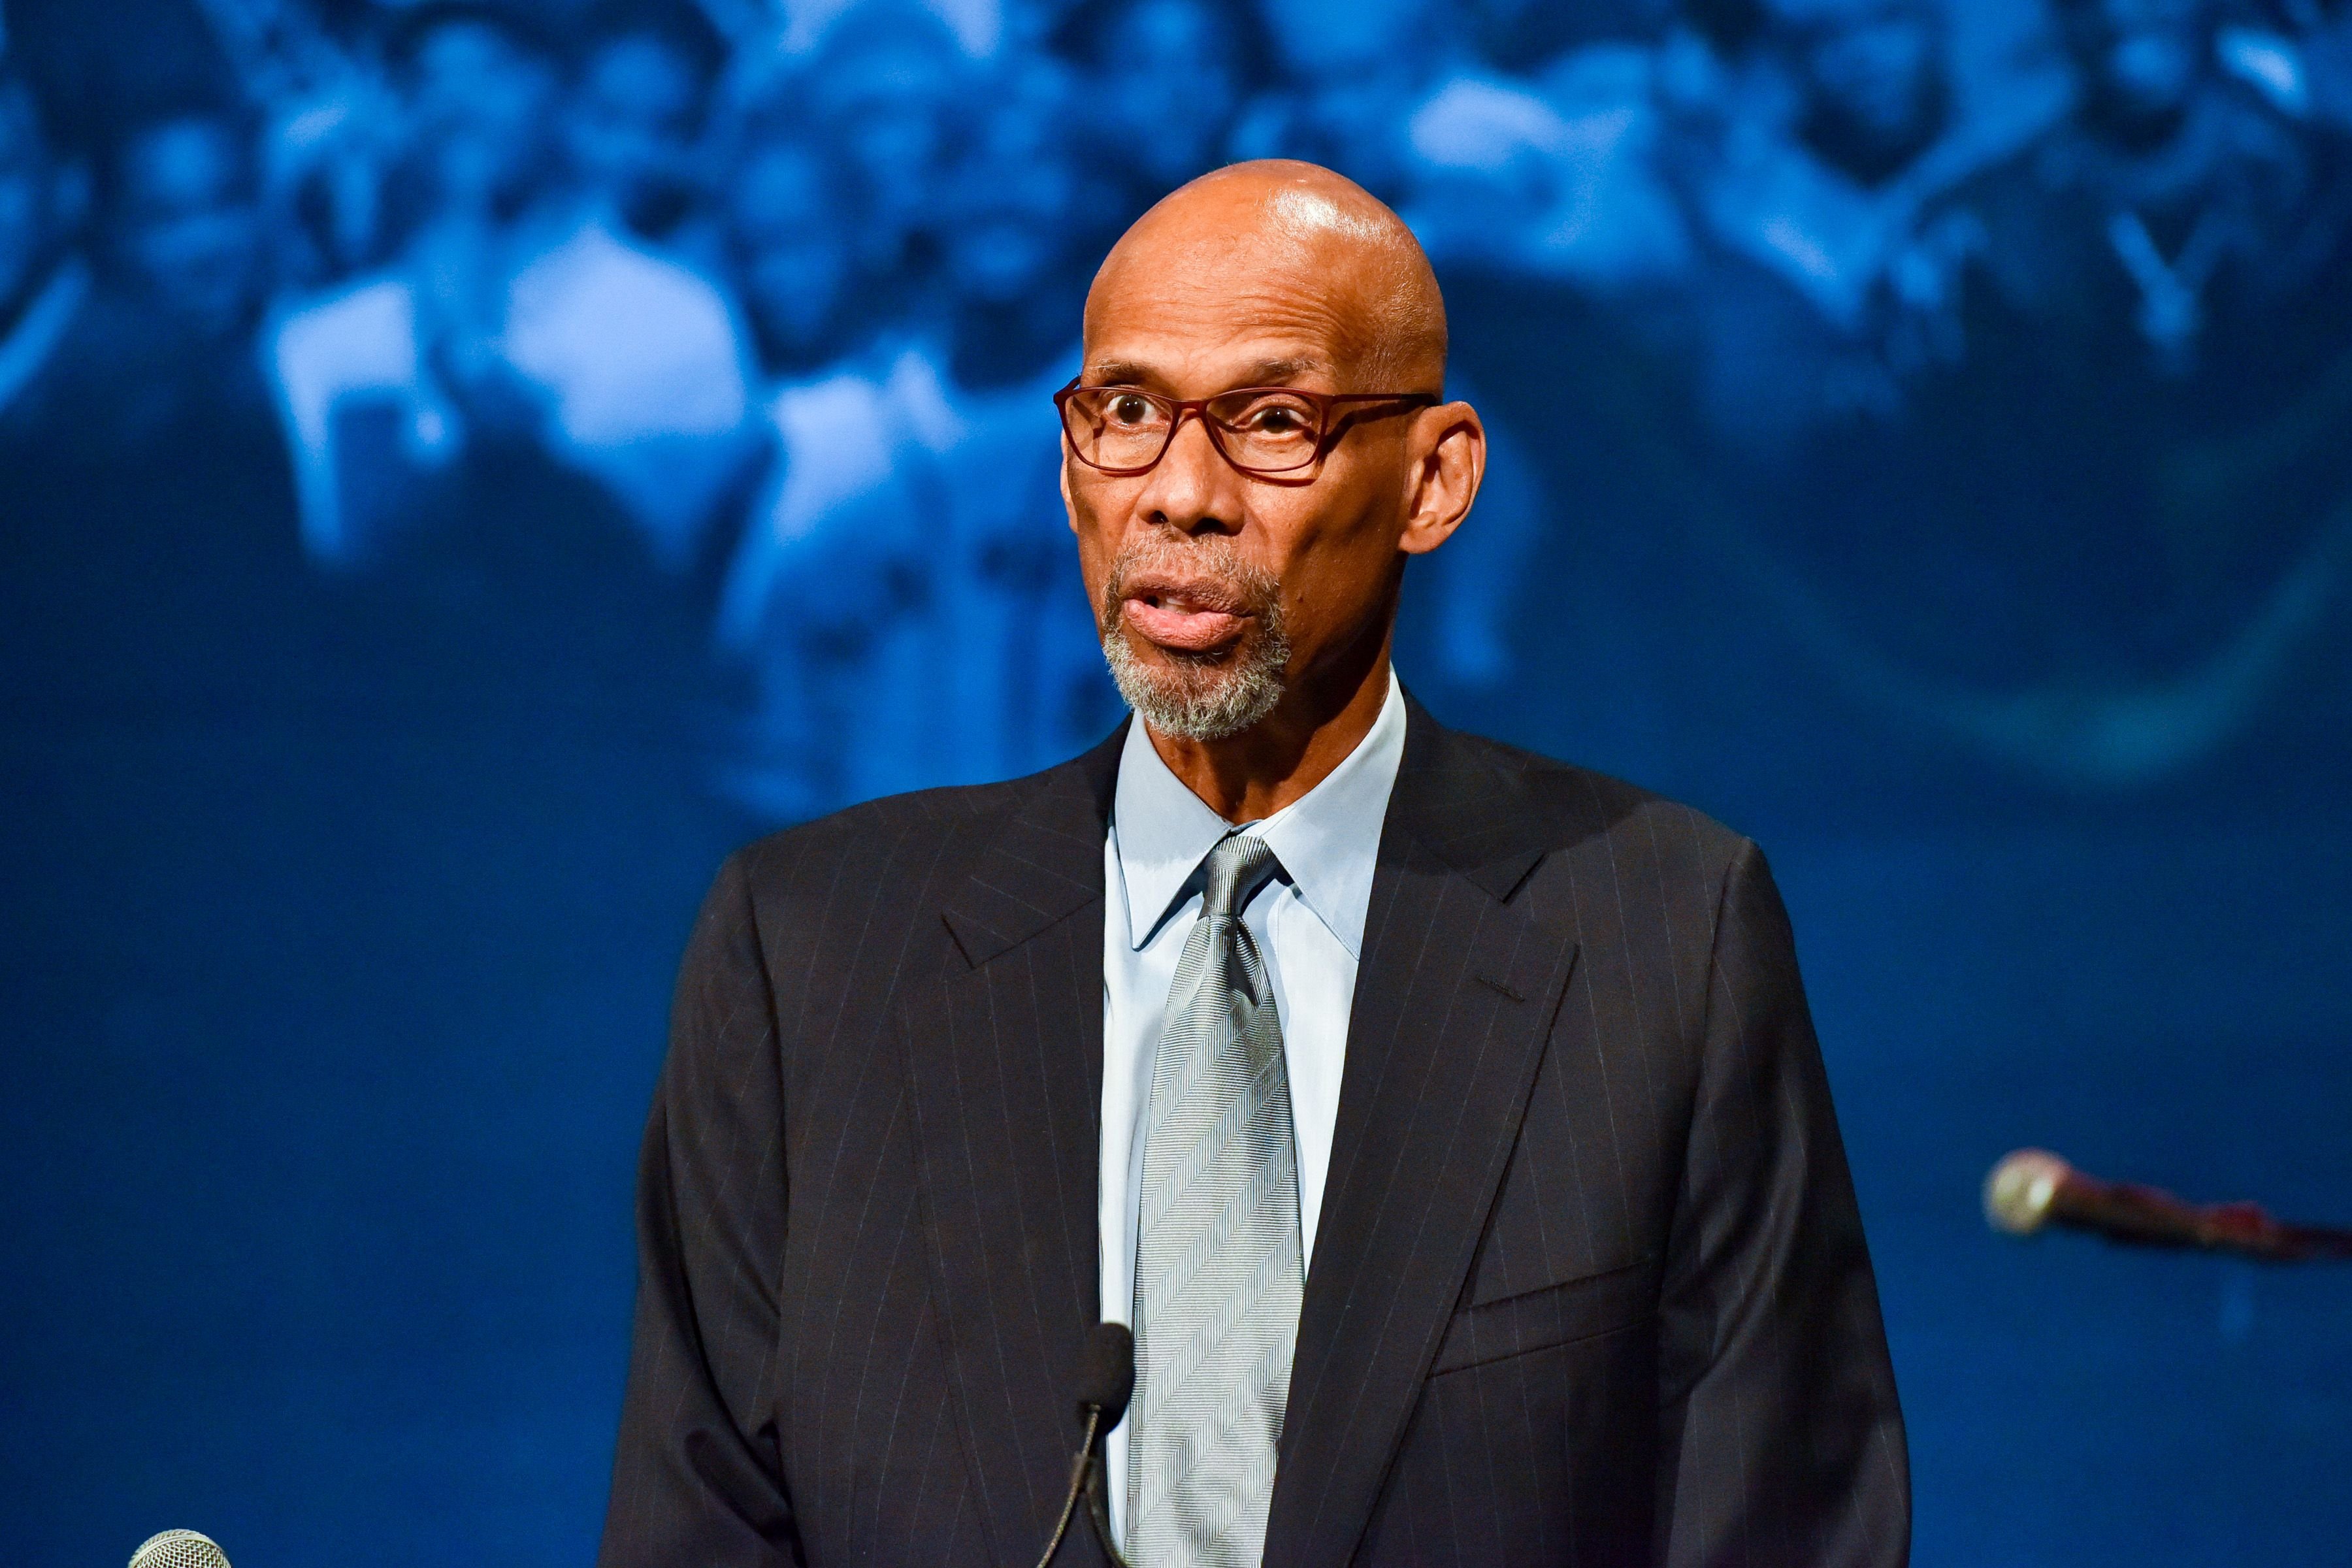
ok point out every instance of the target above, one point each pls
(1309, 927)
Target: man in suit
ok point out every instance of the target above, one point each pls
(1447, 1120)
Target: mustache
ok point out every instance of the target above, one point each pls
(1208, 574)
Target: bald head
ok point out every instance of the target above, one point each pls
(1293, 249)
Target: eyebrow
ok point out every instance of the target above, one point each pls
(1263, 373)
(1119, 373)
(1275, 371)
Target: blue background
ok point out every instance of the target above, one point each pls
(463, 470)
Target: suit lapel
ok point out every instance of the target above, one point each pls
(1454, 1000)
(1005, 1064)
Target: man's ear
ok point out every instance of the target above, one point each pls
(1069, 507)
(1449, 448)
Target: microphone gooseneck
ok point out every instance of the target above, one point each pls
(1105, 1383)
(2032, 1188)
(179, 1549)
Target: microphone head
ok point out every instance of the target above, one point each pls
(179, 1549)
(2018, 1190)
(1106, 1370)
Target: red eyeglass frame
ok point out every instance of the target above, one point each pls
(1327, 403)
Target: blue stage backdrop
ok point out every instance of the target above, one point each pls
(463, 467)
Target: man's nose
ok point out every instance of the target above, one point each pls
(1192, 490)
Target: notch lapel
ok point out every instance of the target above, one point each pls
(1453, 1001)
(1004, 1058)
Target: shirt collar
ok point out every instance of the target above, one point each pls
(1327, 840)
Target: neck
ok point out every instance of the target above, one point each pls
(1318, 723)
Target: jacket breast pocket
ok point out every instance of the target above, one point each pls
(1560, 1314)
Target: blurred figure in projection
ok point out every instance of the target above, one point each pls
(1353, 72)
(1165, 81)
(521, 308)
(829, 568)
(885, 89)
(156, 531)
(186, 273)
(2153, 387)
(332, 131)
(45, 280)
(912, 506)
(2173, 197)
(789, 239)
(1540, 152)
(634, 354)
(2294, 54)
(1817, 177)
(1560, 177)
(1024, 680)
(51, 416)
(632, 123)
(385, 382)
(1874, 89)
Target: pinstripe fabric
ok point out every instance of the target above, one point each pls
(1589, 1286)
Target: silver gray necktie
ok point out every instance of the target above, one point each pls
(1218, 1265)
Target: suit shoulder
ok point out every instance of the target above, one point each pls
(1573, 806)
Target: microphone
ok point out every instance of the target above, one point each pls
(2032, 1187)
(178, 1549)
(1106, 1381)
(1106, 1373)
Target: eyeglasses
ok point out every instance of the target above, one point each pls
(1266, 432)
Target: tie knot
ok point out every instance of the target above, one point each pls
(1238, 868)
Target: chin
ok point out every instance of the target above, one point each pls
(1212, 695)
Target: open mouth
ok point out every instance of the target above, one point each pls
(1187, 620)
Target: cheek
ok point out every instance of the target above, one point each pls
(1095, 523)
(1084, 506)
(1335, 560)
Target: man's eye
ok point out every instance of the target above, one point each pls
(1129, 410)
(1276, 419)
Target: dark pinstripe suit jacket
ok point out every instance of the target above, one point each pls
(1590, 1286)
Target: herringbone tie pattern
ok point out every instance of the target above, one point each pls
(1219, 1265)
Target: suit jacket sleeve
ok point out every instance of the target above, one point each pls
(1781, 1442)
(698, 1478)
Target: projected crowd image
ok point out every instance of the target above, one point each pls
(734, 328)
(467, 467)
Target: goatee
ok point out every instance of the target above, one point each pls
(1199, 696)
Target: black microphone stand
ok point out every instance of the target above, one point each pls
(1105, 1380)
(1087, 1480)
(1098, 1509)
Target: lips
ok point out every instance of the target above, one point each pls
(1188, 617)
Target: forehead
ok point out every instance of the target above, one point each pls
(1202, 315)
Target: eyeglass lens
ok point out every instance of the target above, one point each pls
(1262, 430)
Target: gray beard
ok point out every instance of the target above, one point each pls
(1199, 699)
